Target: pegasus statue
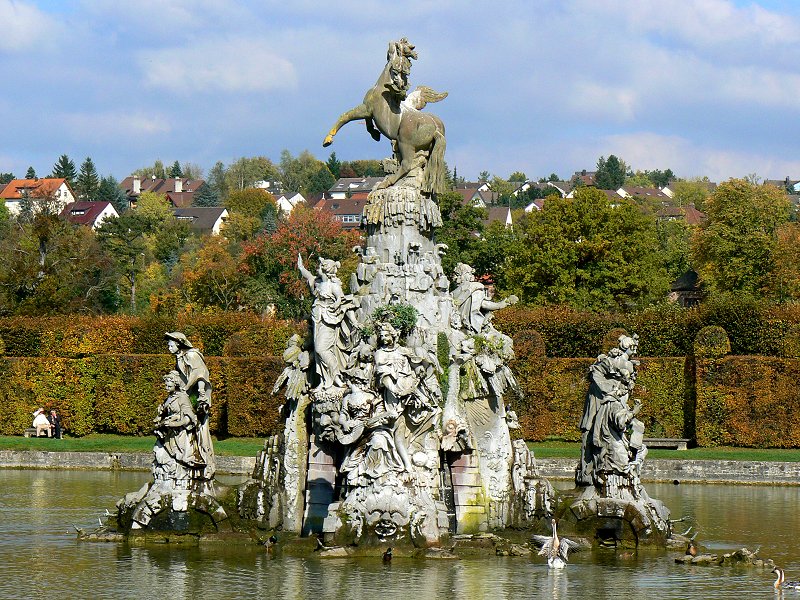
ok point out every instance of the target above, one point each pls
(417, 138)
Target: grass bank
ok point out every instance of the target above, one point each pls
(250, 446)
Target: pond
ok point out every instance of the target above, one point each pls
(42, 558)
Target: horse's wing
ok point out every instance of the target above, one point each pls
(422, 95)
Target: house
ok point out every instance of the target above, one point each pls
(562, 187)
(689, 214)
(685, 290)
(347, 211)
(18, 189)
(584, 177)
(792, 186)
(643, 193)
(203, 219)
(346, 186)
(287, 201)
(273, 187)
(90, 214)
(499, 213)
(178, 190)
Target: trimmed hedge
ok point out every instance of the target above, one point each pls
(748, 401)
(120, 393)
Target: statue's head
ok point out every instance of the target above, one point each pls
(328, 266)
(177, 341)
(172, 381)
(463, 273)
(628, 344)
(399, 58)
(387, 334)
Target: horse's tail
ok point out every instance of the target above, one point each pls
(434, 180)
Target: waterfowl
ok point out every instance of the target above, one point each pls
(556, 550)
(781, 583)
(387, 556)
(691, 548)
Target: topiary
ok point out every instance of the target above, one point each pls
(712, 342)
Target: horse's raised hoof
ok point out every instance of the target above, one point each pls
(327, 141)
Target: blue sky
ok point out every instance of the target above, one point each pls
(705, 87)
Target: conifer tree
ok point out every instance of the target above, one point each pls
(176, 171)
(31, 173)
(65, 169)
(88, 181)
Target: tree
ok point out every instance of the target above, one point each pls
(610, 173)
(243, 173)
(211, 275)
(191, 171)
(660, 178)
(109, 191)
(123, 238)
(484, 176)
(217, 181)
(733, 250)
(363, 168)
(270, 261)
(461, 227)
(65, 169)
(785, 276)
(6, 177)
(175, 171)
(304, 174)
(518, 177)
(687, 193)
(157, 171)
(584, 252)
(205, 196)
(334, 165)
(88, 182)
(252, 211)
(673, 241)
(30, 173)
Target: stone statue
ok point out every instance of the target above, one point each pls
(613, 451)
(191, 365)
(472, 299)
(176, 455)
(417, 138)
(183, 455)
(329, 317)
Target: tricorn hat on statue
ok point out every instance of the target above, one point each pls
(178, 338)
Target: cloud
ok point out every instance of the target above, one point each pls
(229, 65)
(117, 126)
(687, 158)
(25, 27)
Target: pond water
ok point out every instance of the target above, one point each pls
(41, 557)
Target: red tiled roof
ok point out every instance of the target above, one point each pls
(13, 190)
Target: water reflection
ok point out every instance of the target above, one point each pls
(40, 508)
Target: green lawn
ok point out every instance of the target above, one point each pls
(251, 446)
(122, 443)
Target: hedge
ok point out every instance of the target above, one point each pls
(120, 393)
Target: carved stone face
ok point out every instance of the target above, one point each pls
(172, 345)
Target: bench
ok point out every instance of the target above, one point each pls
(667, 443)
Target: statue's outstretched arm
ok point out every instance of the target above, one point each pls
(359, 112)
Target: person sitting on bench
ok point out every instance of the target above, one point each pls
(41, 423)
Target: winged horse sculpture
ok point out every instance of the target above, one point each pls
(417, 138)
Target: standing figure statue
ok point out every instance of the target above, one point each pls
(417, 138)
(332, 325)
(196, 382)
(612, 378)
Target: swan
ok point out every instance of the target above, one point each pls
(556, 550)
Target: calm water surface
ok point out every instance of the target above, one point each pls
(37, 544)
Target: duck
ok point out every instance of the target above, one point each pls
(691, 548)
(781, 583)
(556, 550)
(387, 556)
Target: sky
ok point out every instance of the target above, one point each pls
(704, 87)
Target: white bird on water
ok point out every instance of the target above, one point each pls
(556, 550)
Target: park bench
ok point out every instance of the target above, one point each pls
(666, 443)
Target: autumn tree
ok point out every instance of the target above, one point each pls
(270, 261)
(734, 249)
(692, 192)
(252, 211)
(211, 276)
(584, 252)
(244, 172)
